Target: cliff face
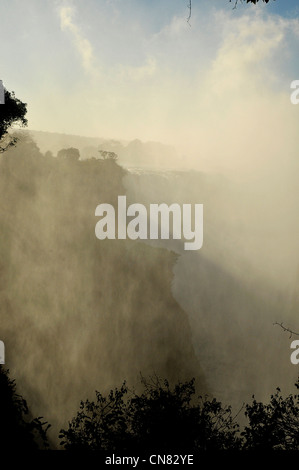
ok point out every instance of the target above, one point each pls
(77, 313)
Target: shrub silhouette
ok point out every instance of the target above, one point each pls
(18, 430)
(161, 419)
(275, 425)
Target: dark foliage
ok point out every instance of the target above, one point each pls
(12, 112)
(171, 420)
(70, 154)
(17, 428)
(274, 425)
(161, 419)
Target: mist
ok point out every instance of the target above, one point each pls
(242, 281)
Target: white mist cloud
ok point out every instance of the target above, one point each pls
(70, 23)
(234, 112)
(67, 15)
(218, 90)
(138, 73)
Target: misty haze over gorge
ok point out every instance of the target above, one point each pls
(131, 99)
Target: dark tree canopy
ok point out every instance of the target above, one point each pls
(70, 154)
(166, 419)
(18, 430)
(160, 419)
(13, 111)
(273, 425)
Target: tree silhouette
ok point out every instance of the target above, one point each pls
(70, 154)
(112, 156)
(275, 425)
(161, 419)
(172, 420)
(18, 430)
(13, 111)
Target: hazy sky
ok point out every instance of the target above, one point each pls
(136, 69)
